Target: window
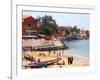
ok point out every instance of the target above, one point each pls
(29, 26)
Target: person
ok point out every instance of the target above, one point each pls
(71, 62)
(63, 62)
(38, 60)
(68, 60)
(59, 54)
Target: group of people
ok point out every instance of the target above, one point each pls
(70, 60)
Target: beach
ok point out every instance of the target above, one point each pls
(77, 60)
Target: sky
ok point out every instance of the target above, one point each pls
(81, 20)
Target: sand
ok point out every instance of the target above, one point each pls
(77, 60)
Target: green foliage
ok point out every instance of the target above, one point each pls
(67, 31)
(75, 29)
(72, 31)
(47, 25)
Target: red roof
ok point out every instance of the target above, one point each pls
(29, 20)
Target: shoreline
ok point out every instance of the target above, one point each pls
(77, 50)
(75, 54)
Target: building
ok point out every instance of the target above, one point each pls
(82, 33)
(59, 33)
(29, 26)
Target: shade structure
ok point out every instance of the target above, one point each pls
(44, 48)
(42, 45)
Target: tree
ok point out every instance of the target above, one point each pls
(67, 31)
(75, 29)
(47, 25)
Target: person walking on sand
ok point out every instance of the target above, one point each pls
(38, 60)
(68, 60)
(71, 60)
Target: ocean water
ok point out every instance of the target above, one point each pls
(78, 47)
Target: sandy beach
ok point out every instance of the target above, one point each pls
(77, 60)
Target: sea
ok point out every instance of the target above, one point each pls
(78, 47)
